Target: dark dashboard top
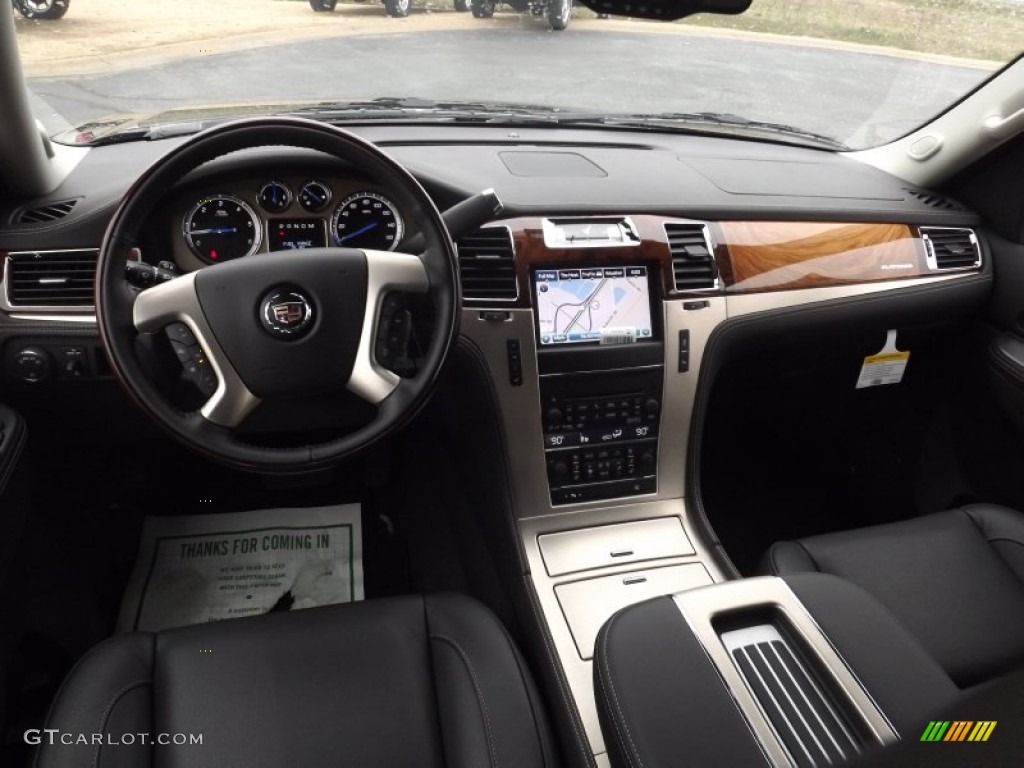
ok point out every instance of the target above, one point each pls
(538, 171)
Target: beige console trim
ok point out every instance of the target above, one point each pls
(617, 544)
(521, 407)
(578, 672)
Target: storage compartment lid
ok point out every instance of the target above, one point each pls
(602, 546)
(587, 604)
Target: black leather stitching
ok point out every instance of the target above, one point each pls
(526, 692)
(969, 512)
(433, 684)
(1020, 576)
(809, 555)
(464, 657)
(606, 686)
(109, 709)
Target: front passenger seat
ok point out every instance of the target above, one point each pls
(955, 580)
(407, 681)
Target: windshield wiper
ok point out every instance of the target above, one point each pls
(390, 108)
(138, 132)
(405, 109)
(688, 120)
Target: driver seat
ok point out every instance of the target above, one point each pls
(407, 681)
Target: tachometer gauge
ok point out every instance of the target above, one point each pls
(367, 220)
(314, 196)
(274, 197)
(220, 228)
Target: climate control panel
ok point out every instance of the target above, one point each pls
(601, 434)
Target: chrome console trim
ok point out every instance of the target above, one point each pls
(929, 248)
(700, 607)
(709, 241)
(43, 309)
(483, 301)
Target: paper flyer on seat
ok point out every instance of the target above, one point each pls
(197, 569)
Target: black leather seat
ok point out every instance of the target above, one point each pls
(954, 579)
(410, 681)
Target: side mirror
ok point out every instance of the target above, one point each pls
(666, 10)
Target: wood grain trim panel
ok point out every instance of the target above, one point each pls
(752, 256)
(774, 256)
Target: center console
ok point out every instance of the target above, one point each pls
(600, 359)
(594, 364)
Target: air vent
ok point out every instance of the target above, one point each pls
(934, 200)
(948, 249)
(487, 265)
(693, 263)
(806, 719)
(50, 279)
(41, 214)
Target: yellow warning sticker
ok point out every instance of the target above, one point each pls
(888, 357)
(886, 367)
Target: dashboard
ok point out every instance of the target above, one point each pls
(596, 309)
(756, 227)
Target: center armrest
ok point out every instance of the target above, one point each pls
(804, 671)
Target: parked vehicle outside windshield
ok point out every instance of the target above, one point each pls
(841, 73)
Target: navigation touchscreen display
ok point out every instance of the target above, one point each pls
(606, 305)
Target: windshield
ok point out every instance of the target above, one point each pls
(849, 73)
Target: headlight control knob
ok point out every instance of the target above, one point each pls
(32, 365)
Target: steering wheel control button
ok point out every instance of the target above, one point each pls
(287, 313)
(180, 333)
(393, 334)
(198, 371)
(182, 351)
(194, 364)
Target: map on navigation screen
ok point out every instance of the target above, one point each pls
(610, 305)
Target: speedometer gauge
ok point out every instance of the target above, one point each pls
(367, 220)
(220, 228)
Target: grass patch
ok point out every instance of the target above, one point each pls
(973, 29)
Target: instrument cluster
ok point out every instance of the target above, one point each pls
(278, 214)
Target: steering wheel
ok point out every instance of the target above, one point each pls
(280, 325)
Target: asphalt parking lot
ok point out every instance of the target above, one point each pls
(106, 58)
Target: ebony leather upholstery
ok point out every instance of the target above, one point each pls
(955, 580)
(662, 703)
(410, 681)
